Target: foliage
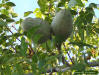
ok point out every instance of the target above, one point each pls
(18, 55)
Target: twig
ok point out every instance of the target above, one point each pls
(9, 30)
(14, 27)
(12, 34)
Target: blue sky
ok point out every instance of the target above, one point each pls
(24, 5)
(30, 5)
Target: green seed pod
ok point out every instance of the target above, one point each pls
(62, 25)
(44, 28)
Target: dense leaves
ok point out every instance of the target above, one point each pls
(19, 55)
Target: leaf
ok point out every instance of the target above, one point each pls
(43, 5)
(0, 5)
(24, 47)
(79, 66)
(14, 15)
(96, 30)
(79, 3)
(9, 20)
(81, 33)
(38, 13)
(3, 39)
(27, 13)
(8, 71)
(10, 4)
(17, 35)
(73, 12)
(93, 5)
(3, 16)
(2, 23)
(41, 63)
(19, 69)
(61, 3)
(49, 45)
(5, 12)
(81, 44)
(89, 14)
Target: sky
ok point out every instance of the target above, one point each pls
(23, 6)
(30, 5)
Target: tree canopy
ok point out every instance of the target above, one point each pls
(19, 56)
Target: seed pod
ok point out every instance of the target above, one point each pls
(44, 28)
(62, 25)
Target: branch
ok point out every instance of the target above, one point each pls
(12, 34)
(14, 27)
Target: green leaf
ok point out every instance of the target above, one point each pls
(38, 13)
(0, 5)
(10, 4)
(96, 30)
(89, 14)
(3, 16)
(2, 23)
(27, 13)
(3, 39)
(8, 70)
(41, 63)
(5, 12)
(14, 15)
(79, 66)
(9, 20)
(61, 3)
(80, 44)
(93, 5)
(79, 3)
(43, 5)
(81, 33)
(24, 47)
(73, 12)
(19, 69)
(17, 35)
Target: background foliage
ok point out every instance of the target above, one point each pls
(19, 56)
